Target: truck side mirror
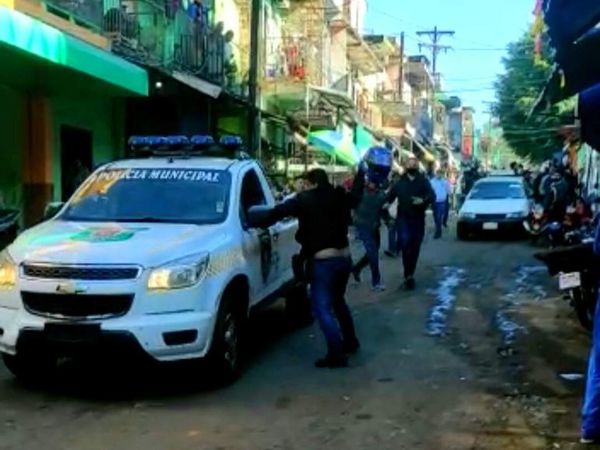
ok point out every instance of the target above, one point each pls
(259, 216)
(52, 209)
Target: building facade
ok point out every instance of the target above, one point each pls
(63, 103)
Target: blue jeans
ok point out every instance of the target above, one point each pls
(591, 404)
(447, 212)
(328, 283)
(439, 213)
(411, 233)
(371, 240)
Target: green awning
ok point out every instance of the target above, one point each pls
(22, 36)
(364, 139)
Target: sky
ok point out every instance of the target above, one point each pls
(483, 30)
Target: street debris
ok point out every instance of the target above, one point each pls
(572, 376)
(508, 328)
(445, 297)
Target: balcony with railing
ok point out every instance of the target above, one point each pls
(158, 34)
(392, 101)
(293, 60)
(139, 31)
(88, 14)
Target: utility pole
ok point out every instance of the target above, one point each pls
(492, 148)
(254, 112)
(401, 70)
(435, 45)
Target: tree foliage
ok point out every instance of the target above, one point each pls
(531, 137)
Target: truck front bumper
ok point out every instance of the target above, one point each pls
(177, 334)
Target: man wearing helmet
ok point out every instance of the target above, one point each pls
(369, 213)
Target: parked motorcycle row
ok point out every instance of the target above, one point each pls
(578, 219)
(571, 257)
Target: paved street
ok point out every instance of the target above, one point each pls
(471, 360)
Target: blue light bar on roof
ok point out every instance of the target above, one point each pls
(139, 141)
(177, 141)
(231, 141)
(154, 142)
(202, 140)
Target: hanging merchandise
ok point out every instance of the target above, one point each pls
(537, 30)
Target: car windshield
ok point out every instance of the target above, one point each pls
(497, 190)
(152, 195)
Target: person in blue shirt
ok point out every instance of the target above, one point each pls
(590, 428)
(441, 187)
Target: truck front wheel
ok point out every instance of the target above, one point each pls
(225, 357)
(30, 368)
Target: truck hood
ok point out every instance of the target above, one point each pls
(148, 245)
(503, 206)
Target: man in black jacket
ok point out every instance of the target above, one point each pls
(414, 195)
(324, 214)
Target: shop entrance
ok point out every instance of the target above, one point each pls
(75, 158)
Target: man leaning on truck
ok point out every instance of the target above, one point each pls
(324, 214)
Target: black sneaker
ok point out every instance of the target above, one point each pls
(351, 348)
(390, 254)
(332, 362)
(356, 276)
(409, 284)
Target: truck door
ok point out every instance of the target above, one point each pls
(285, 233)
(260, 246)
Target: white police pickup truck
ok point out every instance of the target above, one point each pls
(152, 255)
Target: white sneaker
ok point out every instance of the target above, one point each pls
(379, 288)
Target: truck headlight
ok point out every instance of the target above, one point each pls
(178, 274)
(516, 215)
(466, 215)
(8, 271)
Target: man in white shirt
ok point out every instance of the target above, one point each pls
(299, 186)
(229, 62)
(441, 187)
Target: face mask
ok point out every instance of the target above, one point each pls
(412, 170)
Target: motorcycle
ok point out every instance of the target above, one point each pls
(9, 226)
(539, 228)
(556, 233)
(535, 223)
(577, 269)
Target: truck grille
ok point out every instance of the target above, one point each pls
(76, 306)
(80, 272)
(490, 217)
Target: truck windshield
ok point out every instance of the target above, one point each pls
(152, 195)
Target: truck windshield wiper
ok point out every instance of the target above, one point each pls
(146, 219)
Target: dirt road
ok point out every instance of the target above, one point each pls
(471, 360)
